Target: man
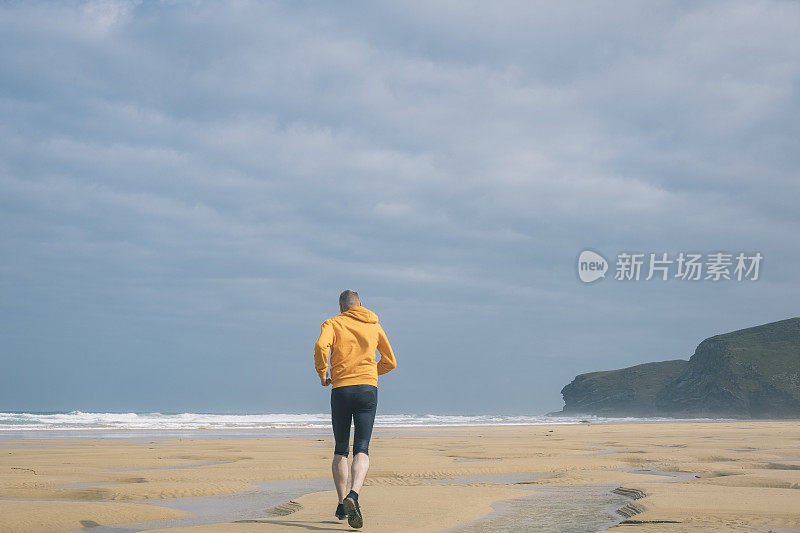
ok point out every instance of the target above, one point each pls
(352, 336)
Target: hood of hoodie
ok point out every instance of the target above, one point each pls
(362, 314)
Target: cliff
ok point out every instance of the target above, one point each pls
(626, 392)
(749, 373)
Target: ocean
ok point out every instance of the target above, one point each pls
(78, 420)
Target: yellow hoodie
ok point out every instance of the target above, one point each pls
(354, 336)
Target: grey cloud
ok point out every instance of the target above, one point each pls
(198, 182)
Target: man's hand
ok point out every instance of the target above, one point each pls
(325, 381)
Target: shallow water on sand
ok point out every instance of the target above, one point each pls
(248, 505)
(552, 509)
(573, 509)
(576, 509)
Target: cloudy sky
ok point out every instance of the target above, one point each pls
(186, 187)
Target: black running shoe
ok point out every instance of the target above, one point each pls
(341, 514)
(354, 517)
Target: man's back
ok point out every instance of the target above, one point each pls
(352, 337)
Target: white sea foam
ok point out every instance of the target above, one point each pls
(78, 420)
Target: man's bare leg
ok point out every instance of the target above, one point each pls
(339, 468)
(359, 470)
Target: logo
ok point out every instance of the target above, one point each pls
(591, 266)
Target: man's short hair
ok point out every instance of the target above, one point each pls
(348, 299)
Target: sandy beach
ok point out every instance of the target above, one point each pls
(681, 476)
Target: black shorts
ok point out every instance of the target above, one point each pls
(357, 403)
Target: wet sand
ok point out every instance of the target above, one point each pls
(682, 476)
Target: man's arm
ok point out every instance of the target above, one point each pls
(387, 362)
(321, 350)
